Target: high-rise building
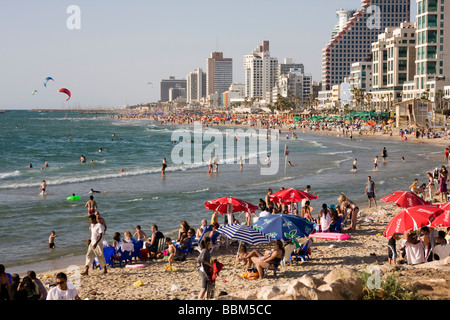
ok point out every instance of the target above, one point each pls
(352, 43)
(288, 64)
(432, 45)
(166, 84)
(294, 84)
(261, 72)
(219, 73)
(196, 86)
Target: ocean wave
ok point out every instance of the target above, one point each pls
(7, 175)
(196, 191)
(337, 152)
(134, 200)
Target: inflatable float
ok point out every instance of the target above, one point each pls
(135, 266)
(74, 198)
(330, 236)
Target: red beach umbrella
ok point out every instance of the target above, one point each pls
(405, 199)
(443, 220)
(412, 219)
(287, 196)
(445, 206)
(221, 205)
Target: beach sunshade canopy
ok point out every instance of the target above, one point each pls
(404, 199)
(287, 196)
(221, 205)
(244, 233)
(284, 226)
(443, 220)
(411, 219)
(445, 206)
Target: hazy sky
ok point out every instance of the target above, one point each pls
(123, 45)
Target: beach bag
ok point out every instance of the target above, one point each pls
(180, 256)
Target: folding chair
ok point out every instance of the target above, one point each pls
(303, 254)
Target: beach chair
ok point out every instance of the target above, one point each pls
(161, 245)
(273, 266)
(303, 254)
(108, 252)
(136, 254)
(125, 256)
(207, 230)
(188, 248)
(214, 241)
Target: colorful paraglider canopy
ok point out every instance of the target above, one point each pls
(34, 91)
(66, 91)
(46, 80)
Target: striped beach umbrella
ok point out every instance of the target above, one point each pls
(244, 233)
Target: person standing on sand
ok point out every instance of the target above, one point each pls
(94, 249)
(91, 205)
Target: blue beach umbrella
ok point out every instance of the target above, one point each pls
(284, 226)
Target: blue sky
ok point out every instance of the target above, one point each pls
(123, 45)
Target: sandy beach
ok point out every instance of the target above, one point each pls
(366, 247)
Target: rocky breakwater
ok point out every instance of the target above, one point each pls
(340, 284)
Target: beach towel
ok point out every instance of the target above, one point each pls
(217, 267)
(415, 253)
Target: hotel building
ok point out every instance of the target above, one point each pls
(219, 73)
(261, 72)
(352, 38)
(196, 86)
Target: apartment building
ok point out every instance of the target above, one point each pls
(393, 63)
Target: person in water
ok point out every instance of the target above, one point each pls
(91, 205)
(164, 166)
(43, 186)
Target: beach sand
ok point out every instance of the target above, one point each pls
(367, 247)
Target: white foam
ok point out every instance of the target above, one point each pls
(7, 175)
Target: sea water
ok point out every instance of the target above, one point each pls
(127, 172)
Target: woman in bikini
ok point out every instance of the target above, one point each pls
(430, 185)
(264, 261)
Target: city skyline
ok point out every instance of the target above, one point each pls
(120, 48)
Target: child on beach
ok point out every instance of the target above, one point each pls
(139, 235)
(392, 252)
(171, 250)
(51, 239)
(413, 187)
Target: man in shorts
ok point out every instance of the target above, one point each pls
(91, 205)
(370, 191)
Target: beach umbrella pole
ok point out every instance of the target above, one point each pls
(236, 261)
